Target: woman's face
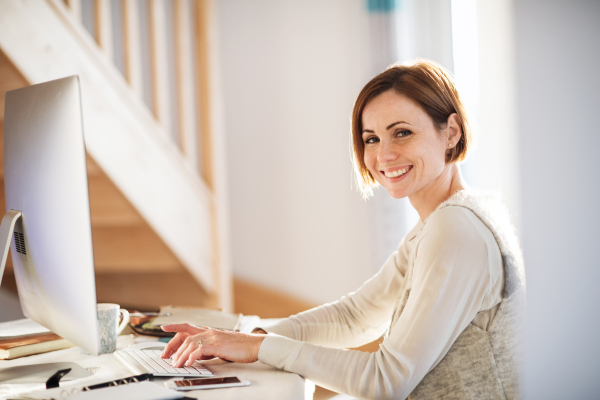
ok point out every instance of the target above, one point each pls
(403, 150)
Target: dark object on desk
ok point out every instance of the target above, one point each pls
(146, 328)
(136, 317)
(40, 373)
(54, 380)
(124, 381)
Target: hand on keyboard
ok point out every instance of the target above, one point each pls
(193, 343)
(150, 361)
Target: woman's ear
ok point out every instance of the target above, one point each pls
(453, 130)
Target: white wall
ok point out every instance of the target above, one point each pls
(559, 138)
(484, 67)
(290, 72)
(495, 159)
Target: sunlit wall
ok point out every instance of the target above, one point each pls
(290, 72)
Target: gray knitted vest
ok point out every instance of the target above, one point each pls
(481, 364)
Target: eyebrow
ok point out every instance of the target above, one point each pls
(388, 127)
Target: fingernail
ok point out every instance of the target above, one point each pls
(188, 363)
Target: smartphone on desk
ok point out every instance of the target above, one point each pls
(206, 383)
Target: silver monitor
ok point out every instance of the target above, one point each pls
(45, 180)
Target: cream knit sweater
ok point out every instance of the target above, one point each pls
(453, 292)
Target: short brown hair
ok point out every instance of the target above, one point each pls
(429, 85)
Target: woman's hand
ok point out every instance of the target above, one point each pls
(193, 343)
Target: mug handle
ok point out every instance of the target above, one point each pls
(124, 322)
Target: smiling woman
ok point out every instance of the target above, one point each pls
(428, 94)
(449, 300)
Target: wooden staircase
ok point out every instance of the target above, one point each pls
(157, 208)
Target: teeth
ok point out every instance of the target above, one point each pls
(397, 173)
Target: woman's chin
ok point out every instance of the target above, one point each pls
(397, 194)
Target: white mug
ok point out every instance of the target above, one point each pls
(108, 317)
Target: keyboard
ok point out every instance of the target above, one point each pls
(143, 361)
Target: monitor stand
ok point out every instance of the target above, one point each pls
(37, 372)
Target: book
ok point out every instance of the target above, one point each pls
(21, 328)
(25, 346)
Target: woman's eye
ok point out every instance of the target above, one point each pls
(372, 139)
(403, 133)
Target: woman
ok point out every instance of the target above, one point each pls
(454, 290)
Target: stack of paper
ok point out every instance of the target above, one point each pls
(198, 317)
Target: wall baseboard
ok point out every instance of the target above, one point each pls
(253, 299)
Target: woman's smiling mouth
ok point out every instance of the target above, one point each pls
(397, 173)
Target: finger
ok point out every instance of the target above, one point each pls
(190, 343)
(173, 344)
(184, 330)
(184, 352)
(197, 354)
(177, 355)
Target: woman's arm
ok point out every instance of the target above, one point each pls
(355, 319)
(450, 280)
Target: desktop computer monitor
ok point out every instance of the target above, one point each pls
(45, 179)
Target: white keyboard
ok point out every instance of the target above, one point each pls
(148, 361)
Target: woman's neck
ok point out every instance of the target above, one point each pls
(426, 200)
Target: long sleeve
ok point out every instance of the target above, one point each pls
(356, 319)
(451, 279)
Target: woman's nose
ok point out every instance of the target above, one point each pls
(387, 152)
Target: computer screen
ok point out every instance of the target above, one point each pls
(45, 178)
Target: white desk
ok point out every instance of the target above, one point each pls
(266, 382)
